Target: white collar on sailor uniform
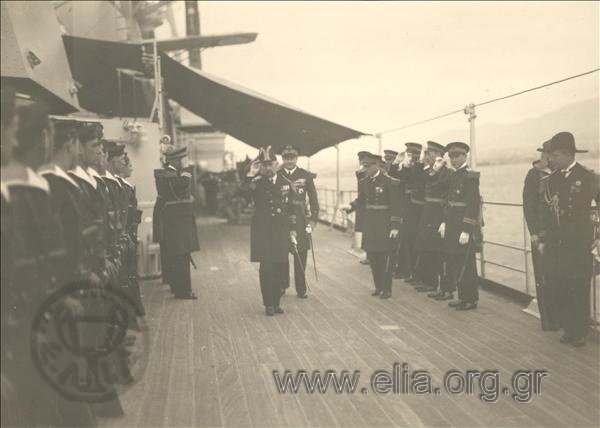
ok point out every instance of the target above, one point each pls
(59, 172)
(81, 173)
(107, 174)
(33, 179)
(124, 181)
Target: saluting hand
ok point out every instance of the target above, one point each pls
(254, 169)
(463, 239)
(394, 233)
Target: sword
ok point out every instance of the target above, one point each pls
(312, 250)
(295, 251)
(192, 262)
(464, 265)
(396, 252)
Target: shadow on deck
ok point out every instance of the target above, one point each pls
(212, 360)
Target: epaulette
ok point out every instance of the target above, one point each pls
(473, 174)
(393, 181)
(585, 168)
(312, 175)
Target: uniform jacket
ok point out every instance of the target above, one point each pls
(37, 246)
(381, 200)
(567, 216)
(300, 189)
(174, 216)
(462, 211)
(436, 190)
(566, 221)
(93, 218)
(533, 199)
(355, 206)
(273, 219)
(67, 199)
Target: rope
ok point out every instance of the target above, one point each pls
(490, 101)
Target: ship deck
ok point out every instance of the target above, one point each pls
(211, 361)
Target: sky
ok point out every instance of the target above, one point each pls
(379, 65)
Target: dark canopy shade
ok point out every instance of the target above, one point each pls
(103, 90)
(195, 42)
(248, 116)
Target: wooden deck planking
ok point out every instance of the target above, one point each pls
(212, 360)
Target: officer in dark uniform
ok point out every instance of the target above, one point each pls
(380, 197)
(533, 205)
(412, 174)
(389, 156)
(401, 260)
(461, 229)
(134, 218)
(301, 189)
(354, 206)
(273, 227)
(178, 234)
(566, 236)
(428, 242)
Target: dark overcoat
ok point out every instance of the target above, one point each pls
(381, 200)
(272, 221)
(436, 188)
(462, 212)
(174, 214)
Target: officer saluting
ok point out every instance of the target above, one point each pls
(566, 236)
(429, 243)
(273, 227)
(411, 173)
(300, 186)
(461, 229)
(174, 214)
(354, 205)
(380, 197)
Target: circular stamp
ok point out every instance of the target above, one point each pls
(87, 344)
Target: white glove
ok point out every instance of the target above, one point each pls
(541, 248)
(439, 162)
(293, 239)
(308, 229)
(254, 169)
(394, 233)
(463, 239)
(442, 230)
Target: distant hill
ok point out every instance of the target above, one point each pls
(509, 142)
(497, 143)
